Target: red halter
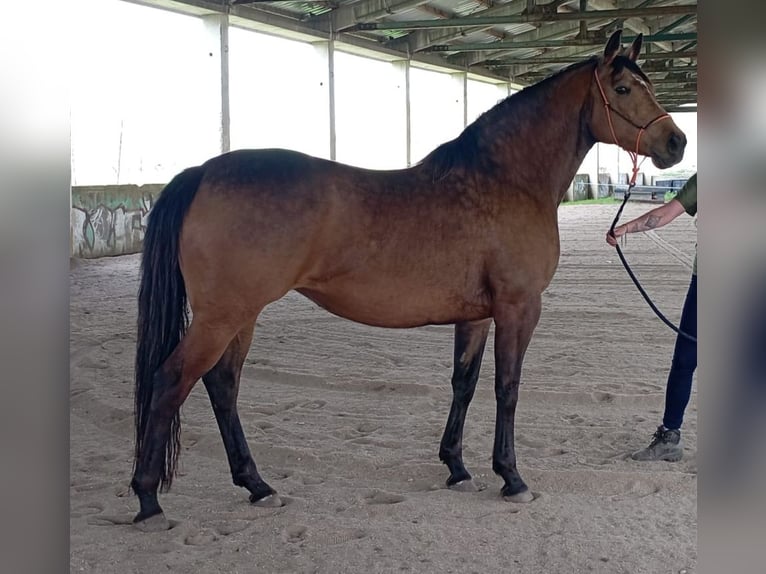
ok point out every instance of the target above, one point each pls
(641, 129)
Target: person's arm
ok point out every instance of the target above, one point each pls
(653, 219)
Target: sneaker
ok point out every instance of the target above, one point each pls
(666, 445)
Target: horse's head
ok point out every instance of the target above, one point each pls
(625, 110)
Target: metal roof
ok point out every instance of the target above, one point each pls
(521, 41)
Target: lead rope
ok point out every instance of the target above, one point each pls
(631, 184)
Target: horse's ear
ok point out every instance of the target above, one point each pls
(635, 48)
(612, 46)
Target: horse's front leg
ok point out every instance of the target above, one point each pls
(514, 324)
(470, 339)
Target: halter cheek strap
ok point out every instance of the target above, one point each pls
(641, 129)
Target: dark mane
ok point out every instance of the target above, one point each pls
(466, 151)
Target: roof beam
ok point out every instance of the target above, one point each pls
(637, 25)
(420, 39)
(567, 59)
(681, 109)
(571, 55)
(687, 78)
(423, 38)
(564, 29)
(659, 67)
(665, 82)
(669, 93)
(514, 44)
(675, 24)
(479, 21)
(494, 32)
(518, 68)
(347, 16)
(677, 99)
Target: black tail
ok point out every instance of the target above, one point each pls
(162, 311)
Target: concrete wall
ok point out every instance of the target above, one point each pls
(110, 220)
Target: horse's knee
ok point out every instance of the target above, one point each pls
(507, 395)
(462, 395)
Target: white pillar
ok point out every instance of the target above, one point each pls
(326, 62)
(331, 80)
(217, 48)
(403, 67)
(461, 94)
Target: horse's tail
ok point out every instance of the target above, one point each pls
(162, 311)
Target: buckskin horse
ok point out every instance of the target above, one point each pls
(466, 237)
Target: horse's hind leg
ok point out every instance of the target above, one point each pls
(222, 384)
(470, 339)
(199, 350)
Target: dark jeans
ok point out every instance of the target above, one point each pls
(684, 364)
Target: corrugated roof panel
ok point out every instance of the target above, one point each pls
(299, 9)
(459, 7)
(432, 9)
(476, 36)
(515, 29)
(409, 14)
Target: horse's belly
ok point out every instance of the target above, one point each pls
(400, 305)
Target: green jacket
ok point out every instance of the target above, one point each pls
(688, 198)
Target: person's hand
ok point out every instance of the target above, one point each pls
(618, 232)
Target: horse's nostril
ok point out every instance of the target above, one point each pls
(676, 143)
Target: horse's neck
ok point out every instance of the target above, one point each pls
(545, 139)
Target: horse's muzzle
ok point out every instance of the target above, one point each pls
(673, 151)
(677, 145)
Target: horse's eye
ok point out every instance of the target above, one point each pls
(622, 90)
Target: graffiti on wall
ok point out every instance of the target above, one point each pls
(581, 187)
(109, 223)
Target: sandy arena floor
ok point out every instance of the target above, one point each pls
(345, 420)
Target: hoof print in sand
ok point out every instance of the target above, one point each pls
(342, 536)
(200, 538)
(469, 485)
(295, 533)
(270, 501)
(88, 509)
(523, 497)
(109, 519)
(382, 497)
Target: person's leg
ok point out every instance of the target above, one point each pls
(679, 387)
(666, 443)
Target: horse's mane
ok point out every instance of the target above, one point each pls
(466, 152)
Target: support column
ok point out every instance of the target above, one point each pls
(326, 61)
(217, 28)
(403, 67)
(465, 100)
(331, 80)
(461, 90)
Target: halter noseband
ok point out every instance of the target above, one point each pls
(641, 129)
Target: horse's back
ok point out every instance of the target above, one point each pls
(382, 247)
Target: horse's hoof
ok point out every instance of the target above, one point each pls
(521, 497)
(270, 501)
(467, 485)
(155, 523)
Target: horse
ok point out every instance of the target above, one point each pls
(468, 236)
